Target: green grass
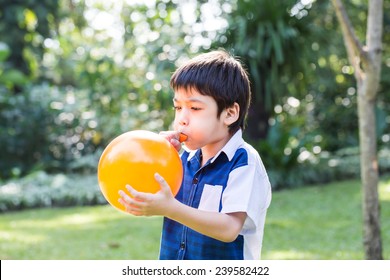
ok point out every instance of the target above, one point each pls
(322, 222)
(319, 222)
(98, 232)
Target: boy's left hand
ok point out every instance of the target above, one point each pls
(148, 204)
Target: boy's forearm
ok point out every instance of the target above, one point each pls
(220, 226)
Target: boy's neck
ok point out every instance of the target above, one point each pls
(210, 150)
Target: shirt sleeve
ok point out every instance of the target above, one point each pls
(248, 190)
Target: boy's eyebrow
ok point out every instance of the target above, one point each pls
(196, 100)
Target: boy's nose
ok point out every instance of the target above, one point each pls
(183, 121)
(183, 117)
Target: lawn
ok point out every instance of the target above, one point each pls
(322, 222)
(316, 222)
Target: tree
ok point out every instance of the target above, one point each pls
(31, 23)
(271, 41)
(366, 61)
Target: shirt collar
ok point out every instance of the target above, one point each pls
(229, 149)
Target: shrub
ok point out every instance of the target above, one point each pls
(325, 168)
(43, 190)
(45, 128)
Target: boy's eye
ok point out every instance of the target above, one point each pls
(195, 108)
(176, 108)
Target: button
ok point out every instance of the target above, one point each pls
(195, 181)
(182, 245)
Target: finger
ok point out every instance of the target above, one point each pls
(124, 196)
(128, 201)
(169, 135)
(136, 213)
(163, 184)
(122, 201)
(139, 196)
(130, 209)
(176, 144)
(132, 206)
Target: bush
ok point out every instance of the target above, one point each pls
(325, 168)
(55, 129)
(23, 133)
(288, 156)
(44, 128)
(43, 190)
(40, 189)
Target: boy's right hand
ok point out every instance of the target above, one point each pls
(174, 137)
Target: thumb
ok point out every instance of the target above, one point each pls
(176, 144)
(163, 184)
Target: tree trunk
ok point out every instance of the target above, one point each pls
(367, 64)
(257, 122)
(369, 175)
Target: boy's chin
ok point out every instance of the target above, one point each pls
(189, 147)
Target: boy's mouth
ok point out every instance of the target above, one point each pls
(182, 137)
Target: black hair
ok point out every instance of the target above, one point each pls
(219, 75)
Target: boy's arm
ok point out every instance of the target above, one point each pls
(221, 226)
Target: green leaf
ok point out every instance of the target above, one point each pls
(4, 51)
(13, 77)
(277, 47)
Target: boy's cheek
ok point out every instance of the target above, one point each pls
(175, 125)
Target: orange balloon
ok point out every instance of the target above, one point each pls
(133, 158)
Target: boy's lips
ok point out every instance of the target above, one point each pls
(182, 137)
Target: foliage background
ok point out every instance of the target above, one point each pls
(76, 73)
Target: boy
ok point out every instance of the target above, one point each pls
(219, 212)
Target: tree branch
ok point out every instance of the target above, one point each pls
(355, 50)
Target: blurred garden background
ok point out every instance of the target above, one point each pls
(74, 74)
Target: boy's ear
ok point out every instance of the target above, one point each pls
(232, 114)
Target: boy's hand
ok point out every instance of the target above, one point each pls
(147, 204)
(175, 138)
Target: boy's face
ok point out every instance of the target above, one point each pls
(196, 116)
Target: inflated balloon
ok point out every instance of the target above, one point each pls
(133, 158)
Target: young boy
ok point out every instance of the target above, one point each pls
(219, 212)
